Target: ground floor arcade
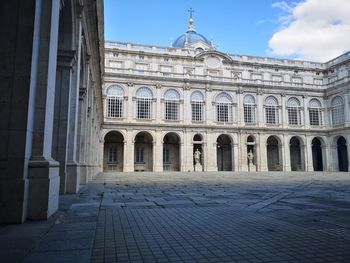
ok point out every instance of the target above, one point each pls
(178, 150)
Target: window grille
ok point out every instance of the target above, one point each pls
(139, 155)
(315, 116)
(115, 101)
(197, 111)
(293, 109)
(223, 108)
(197, 104)
(144, 103)
(172, 105)
(144, 108)
(115, 107)
(112, 155)
(171, 110)
(249, 109)
(271, 110)
(337, 108)
(271, 114)
(223, 112)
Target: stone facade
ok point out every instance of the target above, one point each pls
(50, 104)
(292, 115)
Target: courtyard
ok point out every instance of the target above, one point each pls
(192, 217)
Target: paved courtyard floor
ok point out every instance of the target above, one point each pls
(192, 217)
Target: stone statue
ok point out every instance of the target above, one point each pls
(197, 156)
(250, 156)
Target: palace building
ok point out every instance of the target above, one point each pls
(243, 113)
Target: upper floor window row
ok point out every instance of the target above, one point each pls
(223, 112)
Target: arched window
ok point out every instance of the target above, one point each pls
(144, 98)
(115, 98)
(223, 108)
(337, 108)
(172, 104)
(293, 109)
(315, 112)
(249, 109)
(197, 102)
(271, 110)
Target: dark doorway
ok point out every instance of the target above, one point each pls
(317, 158)
(342, 154)
(224, 153)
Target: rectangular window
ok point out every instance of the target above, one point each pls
(166, 155)
(112, 155)
(256, 76)
(115, 64)
(277, 78)
(171, 110)
(249, 113)
(293, 116)
(143, 107)
(314, 116)
(297, 81)
(197, 111)
(318, 81)
(271, 114)
(139, 155)
(114, 107)
(223, 112)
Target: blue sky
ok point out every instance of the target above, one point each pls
(253, 27)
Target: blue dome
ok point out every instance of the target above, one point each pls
(191, 37)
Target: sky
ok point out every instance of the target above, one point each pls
(316, 30)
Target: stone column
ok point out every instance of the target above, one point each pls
(209, 107)
(158, 152)
(283, 113)
(326, 160)
(243, 152)
(240, 109)
(285, 149)
(188, 154)
(83, 130)
(235, 154)
(65, 61)
(333, 158)
(308, 154)
(260, 110)
(262, 153)
(128, 157)
(43, 170)
(211, 152)
(306, 123)
(73, 169)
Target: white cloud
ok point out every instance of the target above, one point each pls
(316, 30)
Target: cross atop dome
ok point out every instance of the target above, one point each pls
(190, 21)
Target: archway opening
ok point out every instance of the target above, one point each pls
(224, 153)
(113, 152)
(143, 153)
(342, 154)
(251, 153)
(296, 156)
(317, 158)
(171, 152)
(273, 154)
(198, 147)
